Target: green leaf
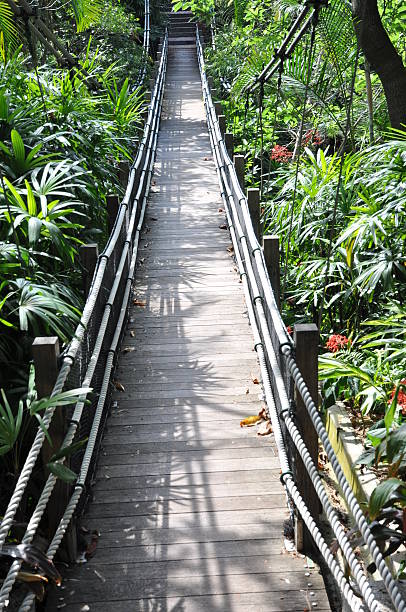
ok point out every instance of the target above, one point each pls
(62, 471)
(18, 146)
(67, 451)
(396, 443)
(384, 493)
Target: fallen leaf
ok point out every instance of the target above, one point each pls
(230, 249)
(118, 385)
(247, 391)
(250, 421)
(132, 333)
(264, 429)
(255, 380)
(221, 210)
(128, 349)
(224, 226)
(139, 303)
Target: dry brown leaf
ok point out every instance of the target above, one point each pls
(223, 226)
(250, 421)
(128, 349)
(139, 303)
(247, 391)
(132, 333)
(221, 210)
(255, 380)
(264, 429)
(230, 249)
(118, 385)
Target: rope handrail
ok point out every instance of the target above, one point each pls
(254, 275)
(135, 203)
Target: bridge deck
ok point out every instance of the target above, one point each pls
(188, 504)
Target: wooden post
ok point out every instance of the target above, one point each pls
(151, 85)
(306, 337)
(88, 254)
(218, 107)
(210, 82)
(222, 124)
(123, 173)
(253, 205)
(45, 352)
(112, 203)
(214, 93)
(239, 164)
(229, 141)
(271, 254)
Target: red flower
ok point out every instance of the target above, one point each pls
(337, 343)
(281, 153)
(312, 137)
(401, 401)
(289, 329)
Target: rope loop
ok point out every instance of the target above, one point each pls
(284, 474)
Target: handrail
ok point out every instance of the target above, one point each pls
(134, 203)
(276, 354)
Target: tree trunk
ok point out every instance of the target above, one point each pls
(382, 57)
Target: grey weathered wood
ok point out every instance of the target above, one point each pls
(253, 205)
(218, 107)
(222, 124)
(112, 203)
(210, 82)
(229, 142)
(123, 173)
(306, 337)
(88, 254)
(271, 255)
(188, 503)
(239, 164)
(45, 352)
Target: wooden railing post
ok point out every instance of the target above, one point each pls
(271, 255)
(123, 173)
(253, 205)
(45, 352)
(210, 82)
(222, 124)
(306, 337)
(112, 203)
(88, 254)
(213, 93)
(218, 107)
(229, 142)
(239, 164)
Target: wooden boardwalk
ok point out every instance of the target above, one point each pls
(189, 505)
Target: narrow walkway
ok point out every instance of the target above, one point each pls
(188, 504)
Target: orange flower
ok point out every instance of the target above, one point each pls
(337, 343)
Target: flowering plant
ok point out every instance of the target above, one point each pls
(337, 343)
(280, 153)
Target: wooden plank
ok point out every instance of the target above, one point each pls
(184, 480)
(191, 466)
